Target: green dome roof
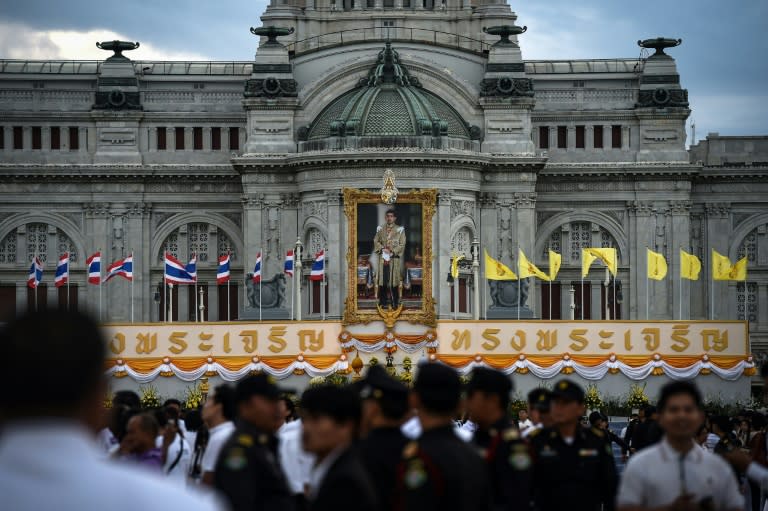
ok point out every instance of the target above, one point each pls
(388, 108)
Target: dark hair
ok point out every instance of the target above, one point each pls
(127, 398)
(394, 408)
(722, 422)
(172, 401)
(148, 422)
(339, 403)
(52, 339)
(290, 406)
(118, 420)
(391, 211)
(193, 420)
(676, 388)
(438, 387)
(224, 395)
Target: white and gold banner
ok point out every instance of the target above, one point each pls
(592, 349)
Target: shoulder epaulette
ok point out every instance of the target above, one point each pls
(510, 434)
(378, 228)
(410, 450)
(400, 229)
(245, 440)
(534, 432)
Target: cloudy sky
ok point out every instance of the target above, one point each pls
(723, 61)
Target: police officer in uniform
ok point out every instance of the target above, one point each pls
(385, 408)
(247, 472)
(573, 465)
(498, 440)
(439, 471)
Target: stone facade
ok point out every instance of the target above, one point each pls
(144, 157)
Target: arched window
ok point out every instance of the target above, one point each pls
(461, 242)
(577, 236)
(8, 248)
(315, 241)
(747, 305)
(204, 239)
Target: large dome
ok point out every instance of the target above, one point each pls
(389, 108)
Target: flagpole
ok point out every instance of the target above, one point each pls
(131, 286)
(519, 283)
(170, 304)
(647, 287)
(165, 289)
(322, 287)
(37, 284)
(67, 282)
(680, 286)
(101, 316)
(582, 295)
(711, 289)
(549, 248)
(615, 303)
(292, 286)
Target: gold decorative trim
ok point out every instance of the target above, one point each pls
(426, 315)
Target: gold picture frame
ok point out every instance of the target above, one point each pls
(424, 314)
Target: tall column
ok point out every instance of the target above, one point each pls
(571, 142)
(488, 242)
(8, 137)
(442, 258)
(589, 138)
(552, 137)
(46, 139)
(170, 138)
(337, 263)
(718, 228)
(762, 306)
(188, 139)
(27, 138)
(681, 228)
(625, 138)
(525, 213)
(253, 229)
(607, 137)
(641, 229)
(152, 139)
(207, 138)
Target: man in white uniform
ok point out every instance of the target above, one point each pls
(219, 411)
(674, 473)
(48, 455)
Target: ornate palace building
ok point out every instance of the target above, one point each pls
(140, 157)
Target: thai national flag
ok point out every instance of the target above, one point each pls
(222, 274)
(288, 268)
(191, 267)
(176, 272)
(257, 269)
(121, 267)
(35, 273)
(94, 268)
(62, 270)
(318, 266)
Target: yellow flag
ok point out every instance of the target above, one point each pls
(721, 266)
(455, 266)
(495, 270)
(525, 268)
(739, 270)
(690, 266)
(607, 256)
(657, 265)
(554, 264)
(587, 258)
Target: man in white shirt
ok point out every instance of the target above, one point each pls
(675, 474)
(48, 455)
(219, 411)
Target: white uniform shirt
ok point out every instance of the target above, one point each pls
(412, 430)
(181, 469)
(216, 438)
(523, 425)
(295, 461)
(654, 477)
(58, 465)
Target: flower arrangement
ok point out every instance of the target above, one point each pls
(592, 398)
(149, 397)
(337, 379)
(637, 397)
(317, 381)
(193, 397)
(516, 404)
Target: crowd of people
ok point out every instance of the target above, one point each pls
(374, 444)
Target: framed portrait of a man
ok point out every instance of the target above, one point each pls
(390, 253)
